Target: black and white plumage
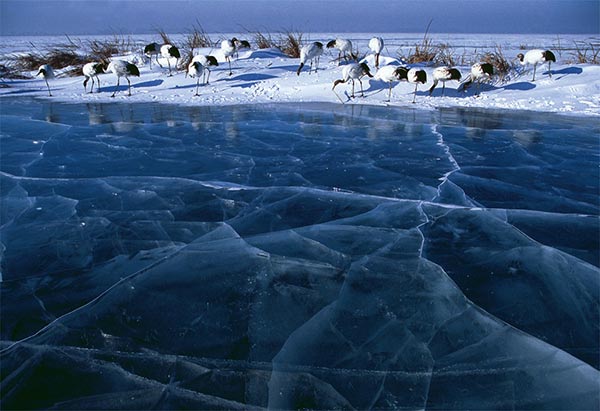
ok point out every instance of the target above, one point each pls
(241, 44)
(444, 74)
(376, 46)
(354, 72)
(91, 71)
(47, 73)
(207, 62)
(125, 69)
(152, 49)
(169, 51)
(345, 49)
(228, 48)
(196, 69)
(536, 57)
(416, 76)
(310, 52)
(479, 72)
(391, 74)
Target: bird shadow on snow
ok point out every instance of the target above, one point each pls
(566, 71)
(376, 87)
(249, 79)
(123, 87)
(522, 85)
(19, 92)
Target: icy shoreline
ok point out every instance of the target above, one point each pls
(268, 76)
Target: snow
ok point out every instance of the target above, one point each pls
(268, 76)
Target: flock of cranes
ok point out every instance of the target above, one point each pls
(200, 66)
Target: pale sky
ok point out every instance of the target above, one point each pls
(76, 17)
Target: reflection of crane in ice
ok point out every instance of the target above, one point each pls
(123, 69)
(536, 57)
(46, 71)
(310, 52)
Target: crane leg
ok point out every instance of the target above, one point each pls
(117, 88)
(534, 66)
(197, 85)
(129, 83)
(415, 94)
(47, 85)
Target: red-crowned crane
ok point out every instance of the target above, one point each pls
(91, 70)
(207, 62)
(125, 69)
(536, 57)
(169, 51)
(354, 72)
(152, 49)
(228, 48)
(479, 72)
(444, 74)
(345, 49)
(310, 52)
(390, 73)
(46, 71)
(241, 44)
(416, 76)
(196, 69)
(376, 46)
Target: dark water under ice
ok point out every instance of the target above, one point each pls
(297, 256)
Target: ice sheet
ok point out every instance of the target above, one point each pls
(297, 256)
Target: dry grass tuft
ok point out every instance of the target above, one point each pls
(197, 38)
(165, 37)
(264, 41)
(444, 55)
(586, 52)
(103, 50)
(502, 66)
(424, 52)
(9, 71)
(289, 43)
(57, 58)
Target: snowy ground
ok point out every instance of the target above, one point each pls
(266, 75)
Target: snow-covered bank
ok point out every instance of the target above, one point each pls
(267, 75)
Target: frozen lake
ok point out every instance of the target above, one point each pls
(298, 255)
